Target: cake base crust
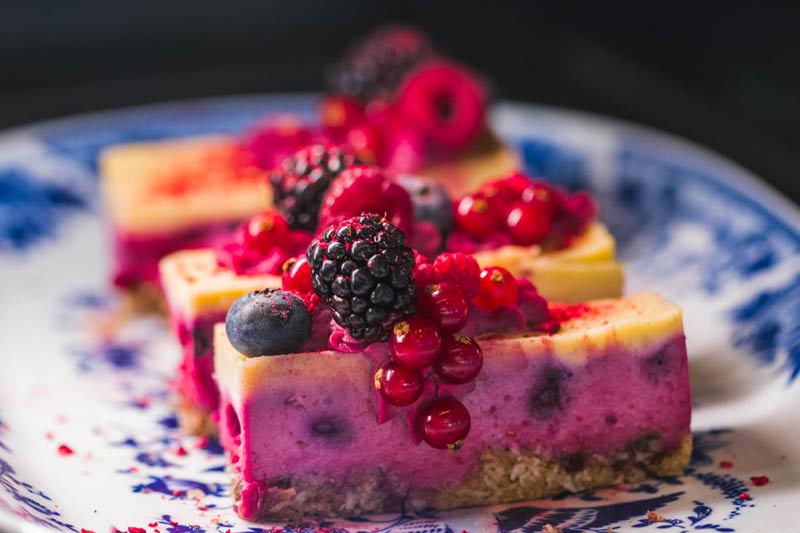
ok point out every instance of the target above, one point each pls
(504, 476)
(144, 298)
(194, 420)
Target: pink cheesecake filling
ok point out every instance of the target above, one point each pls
(136, 256)
(561, 411)
(195, 381)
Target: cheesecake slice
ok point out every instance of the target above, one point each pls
(165, 196)
(602, 401)
(198, 292)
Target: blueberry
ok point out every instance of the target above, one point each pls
(431, 202)
(268, 322)
(331, 428)
(548, 394)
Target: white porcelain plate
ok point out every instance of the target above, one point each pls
(87, 435)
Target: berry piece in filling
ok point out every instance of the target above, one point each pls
(446, 305)
(444, 102)
(268, 322)
(444, 423)
(415, 342)
(300, 181)
(461, 360)
(363, 270)
(374, 67)
(498, 288)
(365, 189)
(399, 386)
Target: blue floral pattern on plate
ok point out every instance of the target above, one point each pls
(688, 223)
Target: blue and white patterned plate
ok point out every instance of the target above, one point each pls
(87, 435)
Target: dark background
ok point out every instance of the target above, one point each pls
(726, 76)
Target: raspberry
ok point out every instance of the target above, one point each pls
(299, 183)
(362, 269)
(445, 103)
(363, 189)
(461, 270)
(276, 139)
(374, 67)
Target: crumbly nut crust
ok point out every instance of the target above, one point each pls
(504, 476)
(193, 420)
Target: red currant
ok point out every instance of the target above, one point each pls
(264, 230)
(461, 270)
(445, 423)
(529, 223)
(544, 194)
(461, 359)
(498, 288)
(508, 189)
(446, 305)
(399, 386)
(297, 276)
(475, 217)
(415, 342)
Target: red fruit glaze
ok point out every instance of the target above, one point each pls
(415, 342)
(461, 359)
(498, 288)
(339, 113)
(297, 276)
(364, 189)
(529, 223)
(446, 305)
(444, 423)
(399, 386)
(461, 270)
(475, 217)
(445, 103)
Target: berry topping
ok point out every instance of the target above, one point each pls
(431, 202)
(445, 423)
(363, 270)
(339, 113)
(461, 270)
(268, 322)
(461, 359)
(444, 102)
(261, 245)
(276, 139)
(498, 288)
(415, 342)
(475, 217)
(364, 189)
(399, 386)
(374, 67)
(529, 223)
(300, 181)
(297, 277)
(446, 305)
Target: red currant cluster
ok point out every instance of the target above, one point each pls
(261, 245)
(524, 211)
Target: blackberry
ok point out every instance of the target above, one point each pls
(362, 268)
(376, 66)
(299, 183)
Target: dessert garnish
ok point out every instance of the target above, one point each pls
(268, 322)
(261, 245)
(300, 182)
(433, 212)
(362, 268)
(522, 211)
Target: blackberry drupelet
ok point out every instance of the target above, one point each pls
(299, 183)
(375, 67)
(363, 270)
